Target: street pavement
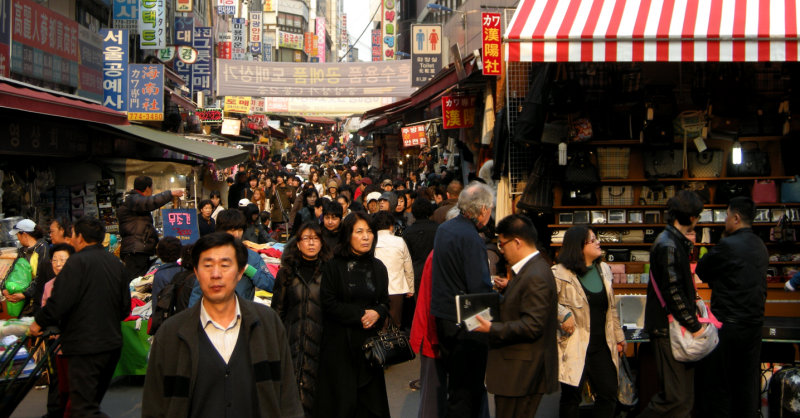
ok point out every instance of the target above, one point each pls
(124, 398)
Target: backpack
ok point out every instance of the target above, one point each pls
(170, 299)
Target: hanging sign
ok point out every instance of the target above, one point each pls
(186, 54)
(237, 104)
(389, 17)
(209, 115)
(226, 7)
(225, 45)
(231, 127)
(146, 92)
(458, 112)
(491, 41)
(308, 38)
(181, 224)
(414, 136)
(201, 69)
(152, 24)
(239, 45)
(183, 37)
(115, 69)
(321, 46)
(126, 15)
(376, 45)
(184, 6)
(269, 6)
(426, 53)
(290, 40)
(256, 28)
(5, 38)
(166, 54)
(257, 105)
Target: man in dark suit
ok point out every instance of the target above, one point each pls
(523, 361)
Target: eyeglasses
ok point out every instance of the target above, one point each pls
(310, 238)
(59, 261)
(592, 241)
(501, 244)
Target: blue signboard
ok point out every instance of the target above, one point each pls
(201, 69)
(146, 97)
(181, 224)
(115, 69)
(183, 36)
(126, 14)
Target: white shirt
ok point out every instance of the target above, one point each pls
(521, 263)
(394, 254)
(223, 338)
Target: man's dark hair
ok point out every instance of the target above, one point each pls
(215, 193)
(251, 178)
(683, 206)
(230, 220)
(219, 239)
(348, 225)
(169, 249)
(422, 209)
(229, 180)
(186, 256)
(518, 226)
(93, 230)
(141, 183)
(454, 189)
(343, 197)
(37, 233)
(571, 254)
(744, 207)
(382, 220)
(64, 223)
(63, 247)
(332, 208)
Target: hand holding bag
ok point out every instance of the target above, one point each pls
(626, 389)
(389, 347)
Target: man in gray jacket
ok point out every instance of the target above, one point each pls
(240, 346)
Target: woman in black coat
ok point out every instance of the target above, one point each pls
(296, 299)
(355, 303)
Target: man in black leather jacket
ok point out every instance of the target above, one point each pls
(669, 268)
(139, 235)
(736, 271)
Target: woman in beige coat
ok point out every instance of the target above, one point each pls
(591, 337)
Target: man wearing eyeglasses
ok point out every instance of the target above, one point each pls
(255, 275)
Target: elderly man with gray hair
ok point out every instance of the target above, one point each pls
(460, 266)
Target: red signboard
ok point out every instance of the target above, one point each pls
(225, 50)
(490, 38)
(308, 39)
(414, 136)
(39, 27)
(209, 115)
(376, 45)
(458, 111)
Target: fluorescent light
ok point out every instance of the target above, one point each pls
(736, 153)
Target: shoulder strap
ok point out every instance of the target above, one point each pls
(658, 293)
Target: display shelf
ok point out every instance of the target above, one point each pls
(784, 263)
(662, 207)
(639, 226)
(682, 179)
(631, 142)
(699, 286)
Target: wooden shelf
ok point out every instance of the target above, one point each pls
(662, 207)
(618, 142)
(639, 226)
(784, 263)
(699, 286)
(682, 179)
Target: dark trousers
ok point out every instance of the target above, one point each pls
(57, 381)
(517, 407)
(730, 376)
(464, 359)
(89, 378)
(433, 389)
(675, 382)
(396, 309)
(599, 371)
(136, 264)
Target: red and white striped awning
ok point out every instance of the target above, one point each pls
(653, 30)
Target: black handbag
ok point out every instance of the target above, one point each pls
(754, 164)
(728, 190)
(579, 196)
(663, 163)
(580, 170)
(538, 192)
(389, 347)
(618, 254)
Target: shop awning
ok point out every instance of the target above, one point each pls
(318, 119)
(28, 98)
(219, 155)
(276, 133)
(653, 30)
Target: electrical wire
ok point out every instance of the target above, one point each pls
(362, 32)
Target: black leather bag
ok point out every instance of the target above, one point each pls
(728, 190)
(388, 348)
(663, 163)
(538, 192)
(579, 196)
(618, 254)
(754, 164)
(580, 170)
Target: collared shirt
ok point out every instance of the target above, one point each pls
(521, 263)
(223, 338)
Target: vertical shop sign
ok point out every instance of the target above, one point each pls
(181, 224)
(225, 45)
(376, 45)
(126, 15)
(269, 45)
(256, 27)
(426, 53)
(239, 46)
(491, 41)
(343, 34)
(389, 17)
(5, 38)
(146, 92)
(458, 112)
(269, 5)
(115, 69)
(183, 37)
(314, 48)
(201, 69)
(414, 136)
(321, 45)
(184, 6)
(226, 7)
(90, 67)
(308, 38)
(152, 24)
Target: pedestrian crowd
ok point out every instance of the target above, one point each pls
(366, 250)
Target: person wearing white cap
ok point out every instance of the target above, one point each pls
(372, 202)
(36, 251)
(243, 203)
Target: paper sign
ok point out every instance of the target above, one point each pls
(237, 104)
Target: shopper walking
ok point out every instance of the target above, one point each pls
(393, 252)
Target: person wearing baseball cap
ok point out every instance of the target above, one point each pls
(372, 202)
(35, 249)
(387, 185)
(243, 203)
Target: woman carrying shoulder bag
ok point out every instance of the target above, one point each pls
(591, 337)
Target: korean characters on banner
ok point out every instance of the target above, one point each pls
(256, 27)
(152, 24)
(268, 45)
(181, 224)
(146, 94)
(321, 39)
(426, 53)
(414, 136)
(458, 112)
(225, 45)
(376, 45)
(115, 69)
(490, 38)
(184, 6)
(126, 15)
(226, 7)
(308, 38)
(389, 25)
(239, 46)
(5, 38)
(183, 37)
(269, 5)
(201, 69)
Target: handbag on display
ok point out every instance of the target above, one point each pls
(579, 196)
(613, 162)
(580, 130)
(783, 231)
(555, 132)
(538, 192)
(616, 195)
(689, 124)
(640, 255)
(755, 163)
(618, 254)
(389, 347)
(632, 236)
(765, 191)
(790, 190)
(656, 194)
(650, 235)
(728, 190)
(663, 163)
(580, 170)
(706, 164)
(558, 236)
(609, 236)
(618, 272)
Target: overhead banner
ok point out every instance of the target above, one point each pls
(239, 42)
(126, 15)
(340, 79)
(376, 45)
(324, 106)
(146, 94)
(491, 41)
(321, 39)
(183, 37)
(226, 7)
(414, 136)
(115, 69)
(5, 38)
(290, 40)
(389, 15)
(426, 53)
(201, 69)
(152, 24)
(237, 104)
(458, 112)
(256, 28)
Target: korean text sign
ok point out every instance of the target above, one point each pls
(146, 94)
(458, 111)
(426, 53)
(201, 69)
(491, 41)
(152, 24)
(389, 26)
(376, 45)
(239, 43)
(115, 69)
(414, 136)
(181, 224)
(126, 15)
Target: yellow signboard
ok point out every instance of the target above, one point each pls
(237, 104)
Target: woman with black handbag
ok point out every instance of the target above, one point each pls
(355, 304)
